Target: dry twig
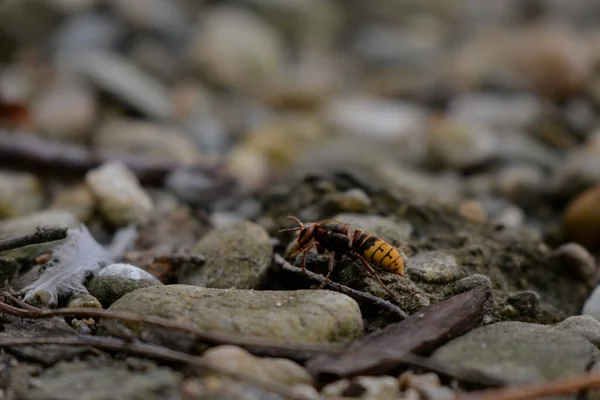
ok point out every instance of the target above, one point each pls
(41, 235)
(355, 294)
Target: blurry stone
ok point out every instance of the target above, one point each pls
(249, 167)
(426, 385)
(364, 387)
(496, 111)
(166, 16)
(237, 256)
(457, 145)
(118, 76)
(575, 259)
(77, 199)
(501, 212)
(65, 110)
(82, 300)
(26, 225)
(21, 193)
(581, 219)
(116, 280)
(121, 199)
(125, 136)
(303, 315)
(592, 304)
(156, 58)
(352, 201)
(579, 171)
(514, 180)
(235, 48)
(310, 23)
(518, 147)
(405, 48)
(379, 119)
(554, 61)
(74, 6)
(86, 30)
(473, 211)
(278, 370)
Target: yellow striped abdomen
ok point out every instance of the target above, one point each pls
(378, 252)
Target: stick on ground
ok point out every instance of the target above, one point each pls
(355, 294)
(41, 235)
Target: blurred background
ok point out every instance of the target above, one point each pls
(492, 105)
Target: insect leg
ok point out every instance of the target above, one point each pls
(331, 261)
(306, 250)
(374, 274)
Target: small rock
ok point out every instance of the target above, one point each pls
(374, 118)
(394, 232)
(434, 267)
(473, 211)
(122, 79)
(120, 197)
(26, 225)
(515, 180)
(581, 219)
(579, 171)
(234, 47)
(237, 256)
(574, 259)
(65, 110)
(84, 300)
(102, 380)
(583, 325)
(77, 199)
(20, 194)
(365, 387)
(164, 16)
(520, 352)
(352, 201)
(592, 304)
(458, 144)
(279, 370)
(427, 385)
(116, 280)
(127, 136)
(463, 285)
(526, 302)
(303, 315)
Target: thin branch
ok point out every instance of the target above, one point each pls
(256, 345)
(569, 385)
(355, 294)
(153, 352)
(41, 235)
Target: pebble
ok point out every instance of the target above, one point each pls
(77, 199)
(237, 256)
(576, 260)
(162, 16)
(128, 136)
(26, 225)
(236, 48)
(592, 304)
(125, 81)
(121, 199)
(579, 171)
(458, 144)
(520, 352)
(351, 201)
(65, 110)
(20, 194)
(95, 379)
(361, 115)
(581, 219)
(116, 280)
(365, 387)
(84, 300)
(434, 267)
(525, 302)
(583, 325)
(280, 370)
(302, 315)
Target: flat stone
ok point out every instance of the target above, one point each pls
(302, 315)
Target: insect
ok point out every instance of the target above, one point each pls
(335, 238)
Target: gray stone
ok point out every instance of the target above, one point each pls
(103, 381)
(373, 387)
(237, 256)
(303, 315)
(83, 300)
(434, 267)
(573, 258)
(520, 352)
(120, 197)
(583, 325)
(592, 304)
(116, 280)
(20, 194)
(26, 225)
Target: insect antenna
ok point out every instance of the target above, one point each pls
(295, 228)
